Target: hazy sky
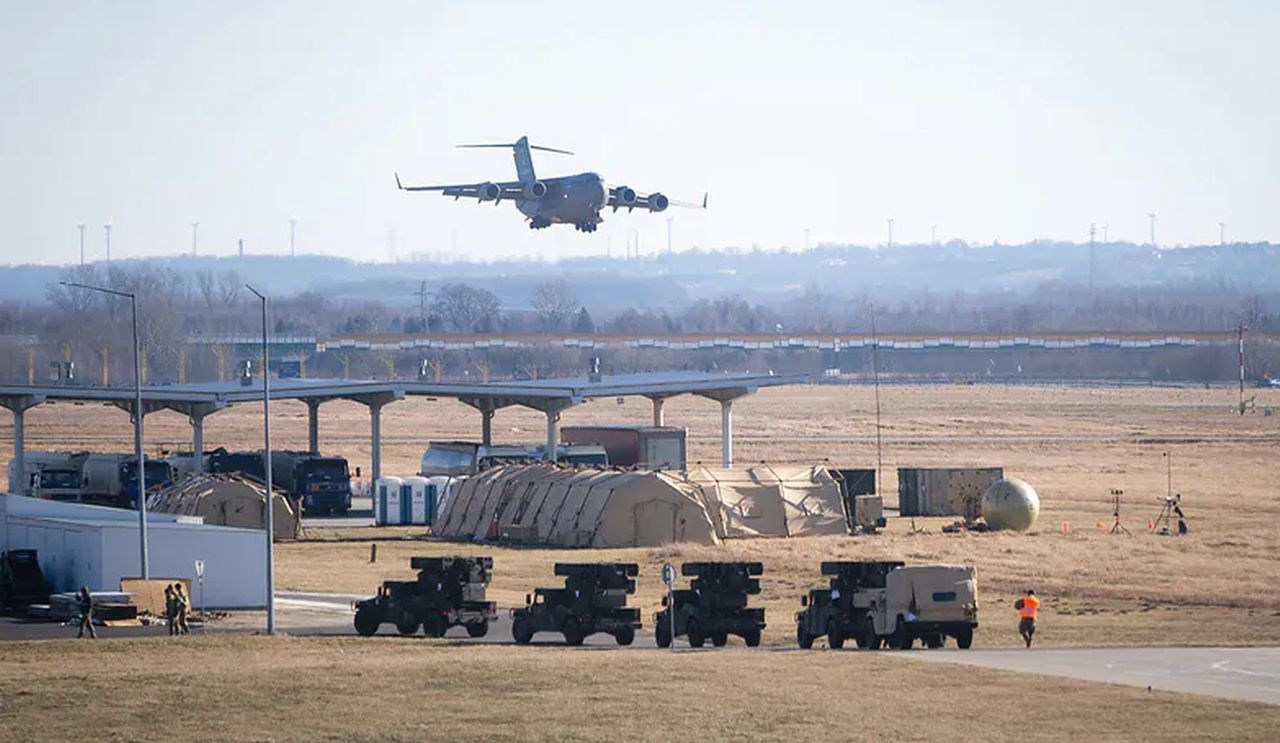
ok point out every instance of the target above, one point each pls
(1007, 121)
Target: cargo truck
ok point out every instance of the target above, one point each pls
(322, 484)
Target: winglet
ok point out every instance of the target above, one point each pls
(402, 187)
(704, 199)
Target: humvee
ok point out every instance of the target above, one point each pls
(449, 591)
(886, 604)
(714, 606)
(593, 599)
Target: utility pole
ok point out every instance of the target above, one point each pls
(806, 239)
(890, 220)
(1222, 234)
(195, 229)
(81, 227)
(107, 227)
(293, 228)
(1152, 217)
(1240, 330)
(422, 304)
(1105, 240)
(1092, 232)
(637, 236)
(933, 235)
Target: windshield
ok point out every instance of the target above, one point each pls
(330, 469)
(157, 471)
(59, 480)
(446, 461)
(596, 458)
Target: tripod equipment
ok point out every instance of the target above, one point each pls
(1164, 522)
(1116, 526)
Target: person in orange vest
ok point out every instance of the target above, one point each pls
(1027, 606)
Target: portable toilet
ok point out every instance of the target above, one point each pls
(386, 501)
(413, 505)
(443, 485)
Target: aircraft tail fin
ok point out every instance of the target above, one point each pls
(524, 160)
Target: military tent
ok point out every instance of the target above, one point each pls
(226, 500)
(771, 501)
(545, 504)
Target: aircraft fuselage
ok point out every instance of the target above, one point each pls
(572, 199)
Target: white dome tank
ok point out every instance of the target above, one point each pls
(1010, 504)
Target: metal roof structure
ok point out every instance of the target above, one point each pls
(550, 396)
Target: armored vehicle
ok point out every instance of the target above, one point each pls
(886, 603)
(449, 591)
(594, 599)
(714, 606)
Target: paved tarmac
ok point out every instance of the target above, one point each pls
(1246, 674)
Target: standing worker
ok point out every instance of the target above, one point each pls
(183, 606)
(171, 610)
(1027, 606)
(86, 613)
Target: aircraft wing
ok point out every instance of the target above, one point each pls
(483, 191)
(624, 197)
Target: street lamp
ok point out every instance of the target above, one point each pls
(266, 467)
(137, 421)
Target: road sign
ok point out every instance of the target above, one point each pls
(669, 577)
(200, 568)
(668, 574)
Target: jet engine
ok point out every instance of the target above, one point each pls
(535, 190)
(658, 202)
(624, 196)
(488, 191)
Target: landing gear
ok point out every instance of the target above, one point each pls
(585, 227)
(539, 223)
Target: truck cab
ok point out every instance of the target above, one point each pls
(926, 602)
(322, 483)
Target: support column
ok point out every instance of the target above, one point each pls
(19, 405)
(553, 433)
(659, 419)
(19, 452)
(726, 433)
(486, 426)
(313, 426)
(197, 441)
(375, 430)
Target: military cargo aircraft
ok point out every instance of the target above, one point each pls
(572, 199)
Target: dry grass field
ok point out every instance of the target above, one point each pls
(394, 689)
(1214, 586)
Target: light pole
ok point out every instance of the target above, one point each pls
(139, 462)
(890, 221)
(81, 244)
(293, 230)
(1151, 216)
(195, 228)
(266, 467)
(107, 229)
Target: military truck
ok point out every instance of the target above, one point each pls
(449, 591)
(322, 484)
(888, 604)
(593, 599)
(714, 605)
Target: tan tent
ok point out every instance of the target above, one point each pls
(771, 501)
(226, 500)
(576, 508)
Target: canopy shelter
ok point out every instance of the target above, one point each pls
(551, 396)
(771, 501)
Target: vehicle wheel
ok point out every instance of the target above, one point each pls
(434, 626)
(367, 621)
(933, 642)
(834, 638)
(752, 638)
(694, 633)
(720, 639)
(625, 636)
(662, 633)
(868, 639)
(478, 629)
(572, 632)
(803, 638)
(521, 632)
(407, 628)
(964, 639)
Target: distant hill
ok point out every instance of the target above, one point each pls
(678, 279)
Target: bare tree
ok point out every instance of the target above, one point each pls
(207, 283)
(555, 303)
(466, 309)
(230, 284)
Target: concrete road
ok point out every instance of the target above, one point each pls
(331, 614)
(361, 514)
(1246, 674)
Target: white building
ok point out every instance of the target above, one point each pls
(78, 545)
